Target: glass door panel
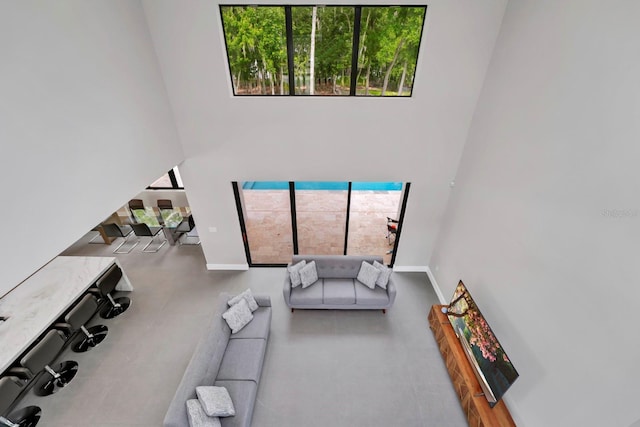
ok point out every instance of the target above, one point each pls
(321, 214)
(267, 215)
(372, 203)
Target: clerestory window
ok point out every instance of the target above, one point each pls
(323, 50)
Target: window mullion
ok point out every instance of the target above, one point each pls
(354, 52)
(289, 26)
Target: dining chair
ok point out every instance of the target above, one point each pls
(185, 229)
(164, 204)
(115, 230)
(143, 230)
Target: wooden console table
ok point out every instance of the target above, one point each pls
(474, 404)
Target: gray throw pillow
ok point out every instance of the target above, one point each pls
(368, 275)
(197, 417)
(215, 401)
(237, 316)
(385, 273)
(308, 274)
(294, 273)
(246, 295)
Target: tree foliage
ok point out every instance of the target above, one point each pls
(256, 45)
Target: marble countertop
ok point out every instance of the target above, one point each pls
(37, 302)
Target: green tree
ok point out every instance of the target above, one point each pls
(256, 47)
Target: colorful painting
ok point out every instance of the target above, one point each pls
(493, 363)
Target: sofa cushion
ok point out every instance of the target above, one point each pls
(308, 274)
(259, 327)
(307, 296)
(367, 296)
(215, 401)
(336, 266)
(385, 273)
(242, 360)
(368, 274)
(197, 416)
(238, 316)
(243, 394)
(246, 295)
(339, 291)
(294, 273)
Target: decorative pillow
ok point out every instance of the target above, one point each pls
(197, 417)
(368, 275)
(247, 296)
(215, 401)
(294, 273)
(385, 273)
(309, 274)
(238, 316)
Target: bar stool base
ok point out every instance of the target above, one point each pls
(109, 312)
(99, 333)
(48, 385)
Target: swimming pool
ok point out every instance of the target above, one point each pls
(322, 185)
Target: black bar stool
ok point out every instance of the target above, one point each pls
(10, 389)
(37, 361)
(106, 285)
(77, 318)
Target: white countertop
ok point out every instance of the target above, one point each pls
(38, 301)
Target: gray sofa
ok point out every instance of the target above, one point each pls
(337, 287)
(226, 360)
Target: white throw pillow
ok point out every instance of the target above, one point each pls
(308, 274)
(247, 296)
(215, 401)
(294, 273)
(368, 275)
(197, 417)
(237, 316)
(385, 273)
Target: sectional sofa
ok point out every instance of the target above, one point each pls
(337, 286)
(226, 360)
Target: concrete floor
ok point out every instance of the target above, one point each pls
(322, 367)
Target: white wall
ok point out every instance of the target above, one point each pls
(418, 140)
(85, 123)
(543, 223)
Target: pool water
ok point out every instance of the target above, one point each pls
(322, 185)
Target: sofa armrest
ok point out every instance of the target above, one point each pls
(263, 300)
(391, 291)
(286, 290)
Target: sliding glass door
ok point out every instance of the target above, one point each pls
(321, 212)
(279, 219)
(374, 206)
(267, 217)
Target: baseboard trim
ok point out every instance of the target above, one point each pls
(436, 288)
(227, 267)
(411, 268)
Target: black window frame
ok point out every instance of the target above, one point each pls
(174, 183)
(290, 48)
